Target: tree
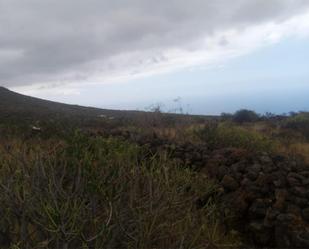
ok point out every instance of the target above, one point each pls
(243, 116)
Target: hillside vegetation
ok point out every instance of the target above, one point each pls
(77, 177)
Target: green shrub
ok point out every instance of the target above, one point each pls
(224, 135)
(88, 192)
(244, 116)
(299, 123)
(226, 116)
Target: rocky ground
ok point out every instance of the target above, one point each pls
(265, 196)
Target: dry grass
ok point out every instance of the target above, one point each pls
(97, 193)
(77, 191)
(221, 135)
(298, 148)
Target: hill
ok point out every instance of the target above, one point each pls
(12, 103)
(16, 107)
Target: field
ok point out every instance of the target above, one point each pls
(152, 180)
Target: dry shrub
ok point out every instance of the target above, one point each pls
(99, 193)
(221, 135)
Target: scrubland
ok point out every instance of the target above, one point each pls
(155, 181)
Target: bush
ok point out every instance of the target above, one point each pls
(218, 136)
(243, 116)
(299, 123)
(87, 192)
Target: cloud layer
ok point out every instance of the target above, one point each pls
(61, 42)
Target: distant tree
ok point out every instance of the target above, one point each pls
(243, 116)
(268, 116)
(156, 108)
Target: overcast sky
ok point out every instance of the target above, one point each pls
(71, 50)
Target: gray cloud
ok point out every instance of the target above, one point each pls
(51, 41)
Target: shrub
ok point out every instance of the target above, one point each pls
(243, 116)
(226, 116)
(97, 193)
(299, 123)
(225, 135)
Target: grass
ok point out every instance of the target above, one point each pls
(64, 189)
(297, 148)
(84, 192)
(299, 123)
(225, 134)
(96, 188)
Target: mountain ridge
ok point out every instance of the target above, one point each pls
(18, 104)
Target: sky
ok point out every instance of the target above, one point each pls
(198, 56)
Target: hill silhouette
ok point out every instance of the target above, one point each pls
(13, 104)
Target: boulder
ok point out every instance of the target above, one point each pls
(305, 213)
(301, 239)
(270, 217)
(229, 183)
(261, 234)
(281, 196)
(252, 175)
(259, 208)
(256, 168)
(265, 159)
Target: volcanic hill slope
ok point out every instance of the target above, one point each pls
(16, 107)
(12, 103)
